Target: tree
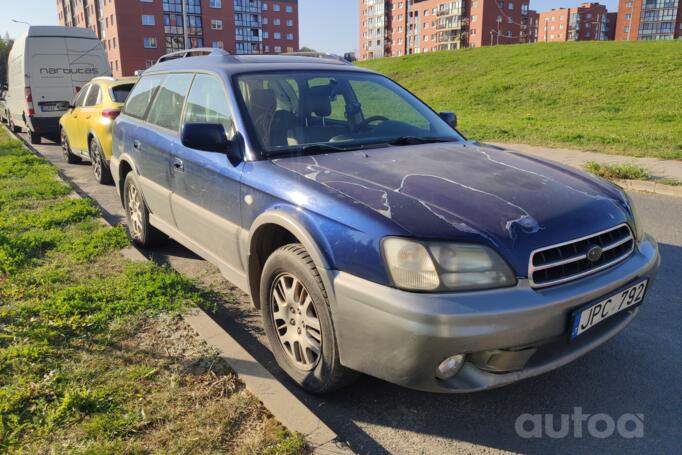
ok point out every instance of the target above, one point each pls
(5, 47)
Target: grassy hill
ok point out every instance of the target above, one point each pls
(615, 97)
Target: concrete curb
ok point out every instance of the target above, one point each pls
(650, 186)
(284, 405)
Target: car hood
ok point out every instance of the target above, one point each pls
(471, 193)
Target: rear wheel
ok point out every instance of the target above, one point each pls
(66, 149)
(36, 139)
(298, 321)
(139, 230)
(100, 168)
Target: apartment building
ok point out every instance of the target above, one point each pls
(395, 28)
(136, 33)
(588, 21)
(649, 20)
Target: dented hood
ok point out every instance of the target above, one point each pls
(470, 193)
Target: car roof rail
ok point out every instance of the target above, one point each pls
(322, 55)
(195, 52)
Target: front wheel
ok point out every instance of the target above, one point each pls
(66, 149)
(99, 165)
(140, 231)
(298, 321)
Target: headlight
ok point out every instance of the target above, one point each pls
(440, 266)
(639, 230)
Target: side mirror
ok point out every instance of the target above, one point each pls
(210, 137)
(450, 118)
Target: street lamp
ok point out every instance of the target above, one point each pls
(20, 22)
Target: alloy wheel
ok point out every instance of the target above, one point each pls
(96, 158)
(135, 212)
(65, 145)
(296, 321)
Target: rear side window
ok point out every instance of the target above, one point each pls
(119, 94)
(80, 98)
(142, 96)
(207, 103)
(167, 108)
(93, 96)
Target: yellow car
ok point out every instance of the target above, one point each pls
(86, 126)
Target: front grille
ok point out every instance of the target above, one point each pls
(568, 261)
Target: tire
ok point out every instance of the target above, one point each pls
(66, 149)
(140, 232)
(100, 168)
(306, 325)
(36, 138)
(12, 126)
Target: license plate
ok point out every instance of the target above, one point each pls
(587, 317)
(52, 107)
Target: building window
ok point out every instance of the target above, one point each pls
(215, 3)
(628, 16)
(277, 22)
(278, 49)
(148, 19)
(218, 45)
(628, 5)
(147, 1)
(290, 36)
(266, 35)
(290, 23)
(276, 8)
(289, 9)
(216, 24)
(511, 6)
(278, 35)
(150, 42)
(149, 63)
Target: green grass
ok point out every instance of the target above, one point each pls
(613, 97)
(93, 357)
(626, 171)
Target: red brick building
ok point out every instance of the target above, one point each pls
(136, 33)
(589, 21)
(649, 20)
(395, 28)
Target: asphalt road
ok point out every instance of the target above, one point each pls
(638, 372)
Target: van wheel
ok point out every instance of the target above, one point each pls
(138, 228)
(36, 139)
(66, 149)
(100, 168)
(298, 321)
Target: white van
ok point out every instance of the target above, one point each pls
(47, 67)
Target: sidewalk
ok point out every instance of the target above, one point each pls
(659, 169)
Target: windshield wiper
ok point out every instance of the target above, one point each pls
(317, 148)
(414, 140)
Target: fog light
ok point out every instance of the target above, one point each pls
(449, 367)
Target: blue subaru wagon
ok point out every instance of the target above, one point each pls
(373, 237)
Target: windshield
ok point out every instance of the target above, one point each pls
(308, 112)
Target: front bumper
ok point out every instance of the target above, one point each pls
(401, 336)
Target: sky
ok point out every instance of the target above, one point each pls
(326, 25)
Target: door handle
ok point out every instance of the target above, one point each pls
(178, 165)
(136, 145)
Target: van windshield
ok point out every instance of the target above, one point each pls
(306, 112)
